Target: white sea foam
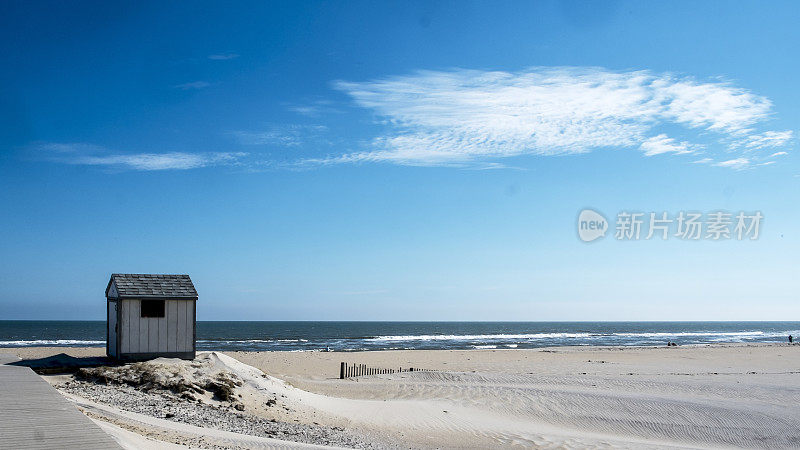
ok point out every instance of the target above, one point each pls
(249, 341)
(42, 342)
(473, 337)
(693, 333)
(472, 340)
(611, 336)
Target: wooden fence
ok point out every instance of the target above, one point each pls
(357, 370)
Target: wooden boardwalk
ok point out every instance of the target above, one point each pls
(33, 415)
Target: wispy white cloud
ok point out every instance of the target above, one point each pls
(66, 148)
(280, 135)
(461, 117)
(194, 85)
(737, 163)
(90, 155)
(778, 154)
(767, 139)
(315, 109)
(657, 145)
(160, 161)
(223, 56)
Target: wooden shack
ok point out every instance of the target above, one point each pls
(150, 316)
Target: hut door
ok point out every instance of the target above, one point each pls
(112, 329)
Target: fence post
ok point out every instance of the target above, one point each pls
(341, 371)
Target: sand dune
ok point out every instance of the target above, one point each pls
(742, 396)
(720, 396)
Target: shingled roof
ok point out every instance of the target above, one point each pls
(140, 285)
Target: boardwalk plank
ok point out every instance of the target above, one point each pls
(33, 415)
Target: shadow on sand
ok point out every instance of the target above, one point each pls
(63, 363)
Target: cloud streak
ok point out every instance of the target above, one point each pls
(287, 135)
(193, 86)
(660, 144)
(738, 163)
(463, 117)
(223, 56)
(160, 161)
(768, 139)
(90, 155)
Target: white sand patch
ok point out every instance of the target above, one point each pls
(703, 397)
(742, 396)
(471, 409)
(134, 441)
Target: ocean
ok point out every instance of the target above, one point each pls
(356, 336)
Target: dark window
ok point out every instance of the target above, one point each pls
(152, 308)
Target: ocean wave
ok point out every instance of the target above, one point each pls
(43, 342)
(595, 336)
(248, 341)
(692, 334)
(478, 337)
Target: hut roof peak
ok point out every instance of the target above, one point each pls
(148, 285)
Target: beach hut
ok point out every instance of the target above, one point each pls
(150, 316)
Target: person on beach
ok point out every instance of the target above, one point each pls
(790, 338)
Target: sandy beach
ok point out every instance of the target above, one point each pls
(718, 396)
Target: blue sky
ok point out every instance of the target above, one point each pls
(398, 160)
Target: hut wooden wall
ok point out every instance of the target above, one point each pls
(172, 333)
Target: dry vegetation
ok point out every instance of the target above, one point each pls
(187, 384)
